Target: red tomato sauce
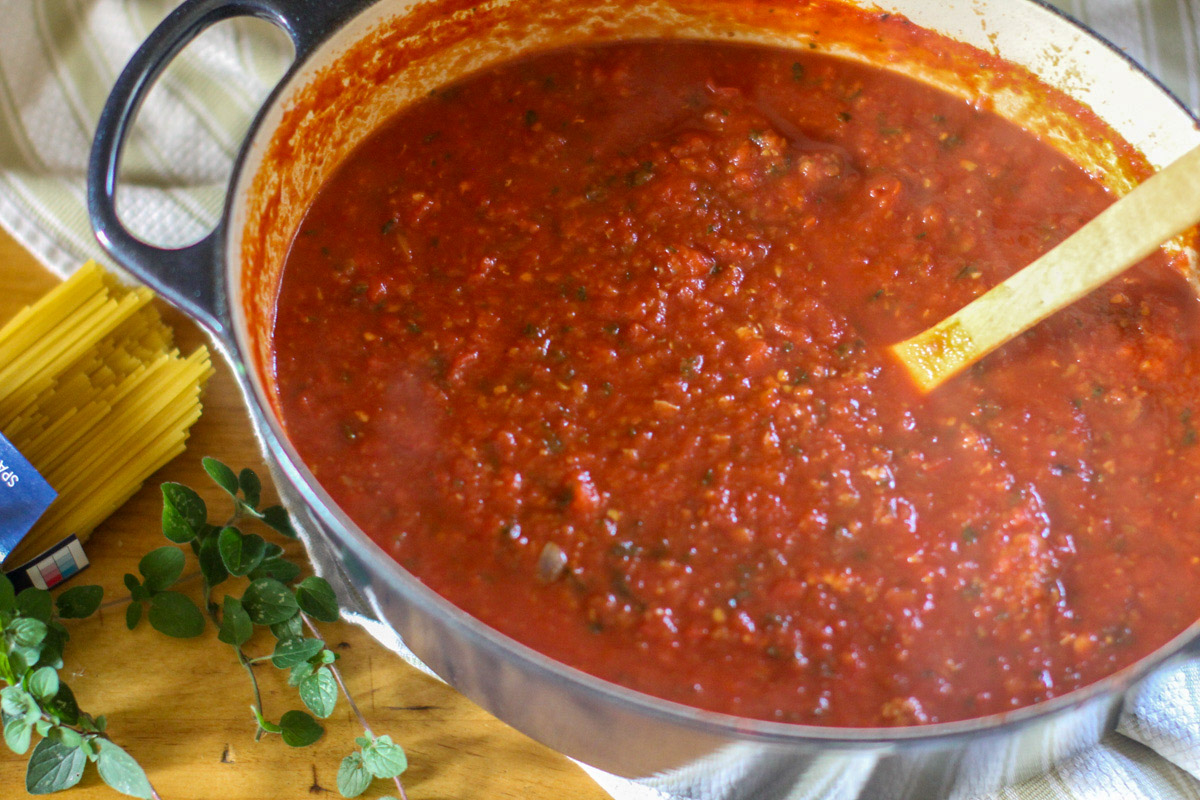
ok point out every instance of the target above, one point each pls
(595, 344)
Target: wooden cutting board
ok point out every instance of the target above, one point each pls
(181, 707)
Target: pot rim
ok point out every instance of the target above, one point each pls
(236, 345)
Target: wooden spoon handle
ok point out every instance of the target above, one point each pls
(1123, 234)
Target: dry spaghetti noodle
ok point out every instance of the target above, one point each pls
(95, 395)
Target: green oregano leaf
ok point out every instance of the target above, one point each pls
(299, 729)
(35, 604)
(52, 645)
(175, 615)
(118, 769)
(277, 518)
(384, 759)
(8, 595)
(53, 767)
(27, 632)
(268, 601)
(251, 487)
(63, 706)
(236, 627)
(184, 513)
(316, 598)
(79, 601)
(290, 652)
(212, 566)
(222, 474)
(26, 657)
(290, 628)
(280, 569)
(67, 737)
(162, 567)
(133, 615)
(17, 735)
(240, 552)
(16, 702)
(17, 662)
(90, 748)
(319, 692)
(43, 683)
(299, 672)
(353, 777)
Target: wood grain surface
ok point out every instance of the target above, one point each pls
(181, 707)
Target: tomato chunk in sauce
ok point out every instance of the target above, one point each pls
(595, 345)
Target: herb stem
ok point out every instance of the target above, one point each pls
(258, 733)
(246, 662)
(124, 600)
(337, 676)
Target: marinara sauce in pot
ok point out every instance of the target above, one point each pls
(595, 345)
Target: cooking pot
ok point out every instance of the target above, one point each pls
(358, 62)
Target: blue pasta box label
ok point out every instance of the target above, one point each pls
(24, 497)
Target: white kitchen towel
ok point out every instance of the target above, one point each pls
(58, 59)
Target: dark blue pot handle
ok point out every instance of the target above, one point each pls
(187, 277)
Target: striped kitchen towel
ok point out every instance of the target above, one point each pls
(58, 59)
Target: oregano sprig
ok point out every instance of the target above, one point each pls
(35, 699)
(275, 597)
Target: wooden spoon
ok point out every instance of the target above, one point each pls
(1123, 234)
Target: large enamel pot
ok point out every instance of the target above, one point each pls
(358, 61)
